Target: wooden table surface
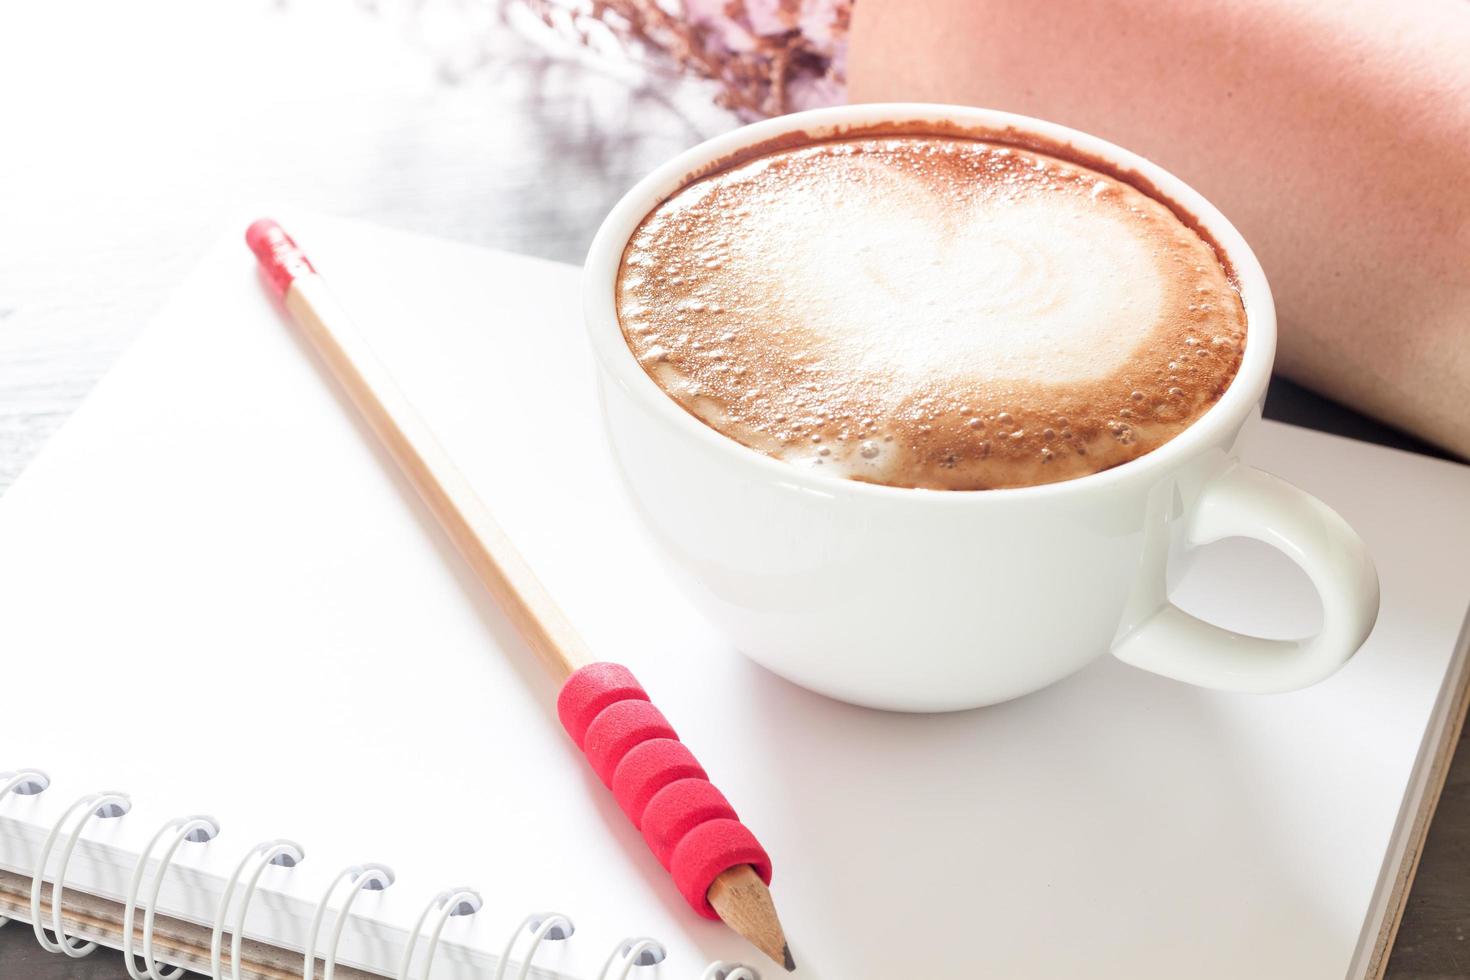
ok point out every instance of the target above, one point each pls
(133, 135)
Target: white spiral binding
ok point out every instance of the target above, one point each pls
(198, 830)
(544, 926)
(271, 853)
(450, 902)
(720, 970)
(630, 953)
(364, 877)
(104, 806)
(26, 782)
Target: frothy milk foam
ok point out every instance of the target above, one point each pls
(930, 312)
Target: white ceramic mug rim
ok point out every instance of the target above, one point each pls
(1217, 424)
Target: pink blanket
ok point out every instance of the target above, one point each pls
(1334, 133)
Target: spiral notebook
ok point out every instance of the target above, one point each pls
(217, 595)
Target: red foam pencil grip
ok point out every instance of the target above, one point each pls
(688, 824)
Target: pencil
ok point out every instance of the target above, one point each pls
(717, 864)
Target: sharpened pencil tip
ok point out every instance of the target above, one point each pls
(743, 901)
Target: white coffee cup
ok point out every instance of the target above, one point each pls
(922, 600)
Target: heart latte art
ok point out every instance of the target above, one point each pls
(930, 312)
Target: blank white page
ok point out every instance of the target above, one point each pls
(218, 594)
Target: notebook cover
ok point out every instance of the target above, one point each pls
(217, 593)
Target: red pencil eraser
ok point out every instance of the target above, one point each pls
(677, 809)
(589, 690)
(279, 257)
(709, 849)
(619, 727)
(647, 768)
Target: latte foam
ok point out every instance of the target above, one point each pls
(930, 312)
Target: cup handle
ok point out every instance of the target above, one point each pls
(1244, 502)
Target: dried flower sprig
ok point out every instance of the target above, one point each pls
(768, 57)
